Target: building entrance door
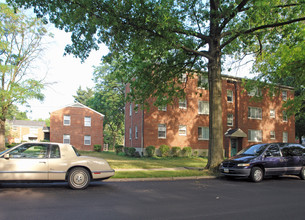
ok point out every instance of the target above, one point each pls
(234, 146)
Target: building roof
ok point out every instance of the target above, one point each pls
(236, 132)
(80, 105)
(26, 123)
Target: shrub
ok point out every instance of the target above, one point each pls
(118, 149)
(131, 151)
(150, 150)
(137, 154)
(195, 153)
(175, 151)
(164, 150)
(97, 147)
(186, 151)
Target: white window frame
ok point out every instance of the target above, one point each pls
(182, 130)
(203, 133)
(255, 135)
(67, 120)
(230, 120)
(272, 113)
(66, 139)
(136, 132)
(130, 109)
(285, 137)
(87, 140)
(87, 121)
(162, 108)
(285, 117)
(229, 96)
(272, 135)
(183, 78)
(255, 113)
(203, 82)
(130, 133)
(203, 108)
(182, 104)
(284, 95)
(255, 92)
(161, 128)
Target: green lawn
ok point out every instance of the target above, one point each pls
(123, 162)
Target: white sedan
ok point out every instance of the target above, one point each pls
(52, 162)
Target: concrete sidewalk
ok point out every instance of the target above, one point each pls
(161, 169)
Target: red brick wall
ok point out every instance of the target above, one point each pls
(76, 130)
(174, 117)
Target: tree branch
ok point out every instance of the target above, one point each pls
(252, 30)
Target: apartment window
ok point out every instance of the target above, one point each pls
(272, 135)
(285, 137)
(87, 121)
(255, 135)
(66, 139)
(182, 103)
(203, 133)
(130, 133)
(255, 92)
(230, 120)
(67, 119)
(203, 108)
(130, 109)
(203, 82)
(254, 113)
(87, 140)
(162, 108)
(229, 95)
(272, 113)
(136, 108)
(182, 130)
(284, 95)
(136, 132)
(285, 117)
(162, 131)
(183, 78)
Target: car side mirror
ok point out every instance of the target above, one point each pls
(6, 156)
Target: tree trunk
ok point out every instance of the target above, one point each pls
(215, 88)
(2, 135)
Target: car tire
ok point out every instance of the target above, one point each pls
(257, 174)
(78, 178)
(302, 173)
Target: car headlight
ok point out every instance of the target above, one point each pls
(243, 164)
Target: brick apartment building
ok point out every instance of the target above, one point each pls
(24, 130)
(186, 123)
(78, 125)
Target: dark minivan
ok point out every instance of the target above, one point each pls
(260, 160)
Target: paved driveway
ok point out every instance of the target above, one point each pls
(282, 198)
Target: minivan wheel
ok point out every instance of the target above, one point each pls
(302, 173)
(257, 174)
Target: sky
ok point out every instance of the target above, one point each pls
(63, 75)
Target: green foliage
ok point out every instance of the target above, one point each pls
(83, 96)
(118, 149)
(150, 150)
(186, 151)
(97, 147)
(164, 150)
(175, 151)
(130, 151)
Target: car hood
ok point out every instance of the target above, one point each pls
(242, 158)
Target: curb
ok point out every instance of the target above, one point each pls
(159, 179)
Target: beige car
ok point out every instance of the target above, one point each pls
(52, 162)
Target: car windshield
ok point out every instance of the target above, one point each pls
(253, 150)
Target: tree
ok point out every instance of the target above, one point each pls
(109, 99)
(158, 41)
(20, 43)
(82, 96)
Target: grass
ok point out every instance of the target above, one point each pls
(123, 162)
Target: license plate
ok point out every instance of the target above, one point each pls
(226, 170)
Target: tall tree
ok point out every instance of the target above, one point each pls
(109, 99)
(82, 96)
(20, 43)
(161, 40)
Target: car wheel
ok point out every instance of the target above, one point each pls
(302, 173)
(257, 174)
(78, 178)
